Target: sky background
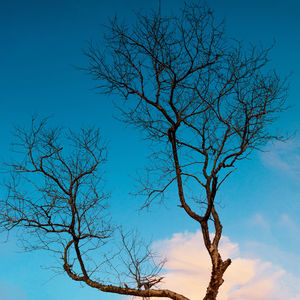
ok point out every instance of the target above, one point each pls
(41, 45)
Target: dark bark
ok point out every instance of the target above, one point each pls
(216, 279)
(206, 100)
(66, 212)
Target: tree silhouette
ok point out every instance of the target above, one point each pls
(206, 102)
(203, 98)
(56, 199)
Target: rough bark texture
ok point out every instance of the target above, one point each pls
(216, 279)
(218, 265)
(200, 96)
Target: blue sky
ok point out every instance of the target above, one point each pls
(42, 42)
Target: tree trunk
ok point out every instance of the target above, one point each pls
(216, 279)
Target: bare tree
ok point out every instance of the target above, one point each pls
(56, 199)
(204, 98)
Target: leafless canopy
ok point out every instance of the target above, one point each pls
(206, 99)
(57, 201)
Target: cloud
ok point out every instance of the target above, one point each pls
(283, 157)
(258, 220)
(287, 222)
(188, 271)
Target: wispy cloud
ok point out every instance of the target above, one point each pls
(283, 157)
(188, 271)
(288, 223)
(258, 220)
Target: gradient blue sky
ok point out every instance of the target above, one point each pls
(42, 41)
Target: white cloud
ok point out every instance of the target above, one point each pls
(283, 157)
(188, 271)
(288, 223)
(258, 220)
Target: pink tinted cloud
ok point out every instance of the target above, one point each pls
(188, 271)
